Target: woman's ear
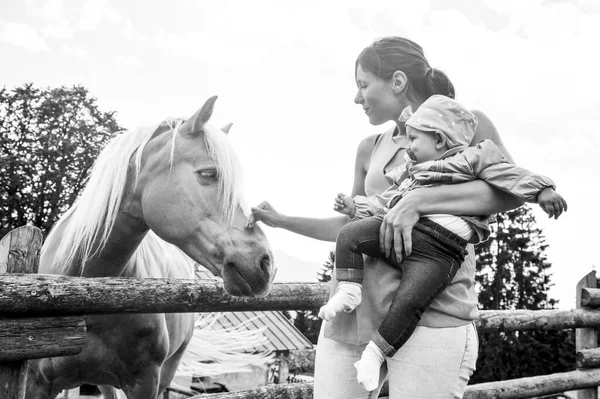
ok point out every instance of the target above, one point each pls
(441, 141)
(399, 82)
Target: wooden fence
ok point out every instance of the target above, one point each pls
(42, 316)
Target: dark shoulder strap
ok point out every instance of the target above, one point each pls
(377, 140)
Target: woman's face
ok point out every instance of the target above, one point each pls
(377, 98)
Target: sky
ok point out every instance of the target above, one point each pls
(284, 74)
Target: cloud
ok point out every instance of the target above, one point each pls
(388, 18)
(23, 35)
(130, 32)
(75, 51)
(95, 12)
(53, 16)
(513, 7)
(213, 51)
(126, 60)
(56, 19)
(478, 13)
(187, 44)
(61, 30)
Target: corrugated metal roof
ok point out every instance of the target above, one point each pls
(281, 334)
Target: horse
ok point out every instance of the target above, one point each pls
(158, 200)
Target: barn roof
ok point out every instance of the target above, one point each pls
(280, 333)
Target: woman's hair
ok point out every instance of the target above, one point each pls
(390, 54)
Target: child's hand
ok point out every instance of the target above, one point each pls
(344, 204)
(552, 202)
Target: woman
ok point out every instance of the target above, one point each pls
(439, 358)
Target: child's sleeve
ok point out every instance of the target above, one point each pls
(397, 175)
(368, 206)
(486, 162)
(361, 207)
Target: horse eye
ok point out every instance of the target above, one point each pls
(207, 176)
(208, 173)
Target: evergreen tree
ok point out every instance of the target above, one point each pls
(514, 273)
(309, 324)
(324, 273)
(49, 141)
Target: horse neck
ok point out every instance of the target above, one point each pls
(128, 231)
(125, 237)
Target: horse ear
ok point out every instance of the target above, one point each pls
(226, 128)
(194, 125)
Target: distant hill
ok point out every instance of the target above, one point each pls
(291, 268)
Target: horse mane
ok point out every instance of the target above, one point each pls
(88, 223)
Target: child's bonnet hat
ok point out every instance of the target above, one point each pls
(442, 114)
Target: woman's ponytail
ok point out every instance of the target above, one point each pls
(437, 82)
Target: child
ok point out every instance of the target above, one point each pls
(439, 133)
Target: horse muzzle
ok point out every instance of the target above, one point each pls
(249, 277)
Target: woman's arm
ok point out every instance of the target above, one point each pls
(361, 164)
(472, 198)
(325, 229)
(487, 130)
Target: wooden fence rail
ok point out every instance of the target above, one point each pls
(27, 295)
(511, 389)
(42, 316)
(44, 295)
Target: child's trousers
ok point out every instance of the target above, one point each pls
(437, 254)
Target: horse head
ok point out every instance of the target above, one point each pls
(188, 192)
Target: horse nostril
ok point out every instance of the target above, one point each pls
(230, 265)
(265, 264)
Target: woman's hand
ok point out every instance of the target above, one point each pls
(266, 213)
(397, 227)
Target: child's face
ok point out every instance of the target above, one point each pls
(423, 146)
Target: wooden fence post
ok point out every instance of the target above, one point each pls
(586, 338)
(19, 253)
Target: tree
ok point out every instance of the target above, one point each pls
(309, 324)
(50, 139)
(514, 273)
(324, 273)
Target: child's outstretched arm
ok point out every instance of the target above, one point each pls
(486, 162)
(344, 204)
(552, 202)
